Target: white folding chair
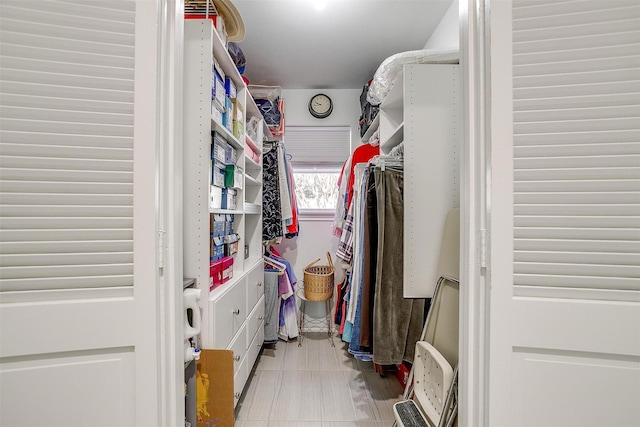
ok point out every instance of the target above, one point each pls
(432, 383)
(432, 379)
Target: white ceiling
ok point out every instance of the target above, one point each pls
(290, 44)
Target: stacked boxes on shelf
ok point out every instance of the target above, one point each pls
(225, 174)
(224, 244)
(218, 92)
(227, 115)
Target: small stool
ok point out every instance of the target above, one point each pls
(315, 322)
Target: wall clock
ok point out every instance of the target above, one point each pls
(320, 106)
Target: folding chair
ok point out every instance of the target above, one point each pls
(430, 397)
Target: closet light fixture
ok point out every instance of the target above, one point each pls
(319, 4)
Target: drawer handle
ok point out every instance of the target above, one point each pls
(260, 317)
(259, 284)
(236, 358)
(259, 344)
(236, 311)
(236, 395)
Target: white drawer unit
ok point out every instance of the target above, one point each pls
(255, 287)
(237, 311)
(256, 320)
(238, 346)
(255, 345)
(239, 380)
(229, 314)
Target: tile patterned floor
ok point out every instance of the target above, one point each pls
(316, 385)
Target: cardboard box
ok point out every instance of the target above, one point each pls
(214, 388)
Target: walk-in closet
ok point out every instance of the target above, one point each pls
(317, 203)
(319, 213)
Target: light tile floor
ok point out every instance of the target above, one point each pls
(316, 385)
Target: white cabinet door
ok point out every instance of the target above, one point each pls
(78, 273)
(564, 251)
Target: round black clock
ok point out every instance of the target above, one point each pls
(320, 106)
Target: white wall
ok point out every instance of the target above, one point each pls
(316, 238)
(446, 35)
(346, 109)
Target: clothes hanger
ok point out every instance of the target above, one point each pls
(275, 264)
(387, 161)
(269, 145)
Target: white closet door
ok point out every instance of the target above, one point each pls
(565, 214)
(78, 313)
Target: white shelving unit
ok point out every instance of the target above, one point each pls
(423, 110)
(233, 313)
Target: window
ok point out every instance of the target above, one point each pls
(316, 189)
(317, 155)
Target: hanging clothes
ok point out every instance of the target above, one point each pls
(362, 154)
(397, 321)
(293, 227)
(271, 306)
(341, 205)
(280, 209)
(288, 314)
(271, 206)
(369, 262)
(377, 321)
(283, 185)
(356, 275)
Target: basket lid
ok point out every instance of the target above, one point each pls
(232, 20)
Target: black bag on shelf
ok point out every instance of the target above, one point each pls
(369, 111)
(269, 110)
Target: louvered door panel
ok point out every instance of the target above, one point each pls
(66, 144)
(73, 302)
(576, 68)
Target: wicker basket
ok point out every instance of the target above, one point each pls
(318, 281)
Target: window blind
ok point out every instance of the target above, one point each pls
(318, 146)
(66, 144)
(576, 144)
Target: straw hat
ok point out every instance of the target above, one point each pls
(232, 20)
